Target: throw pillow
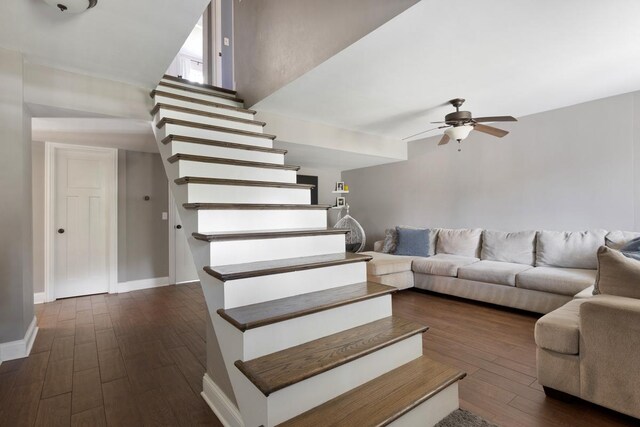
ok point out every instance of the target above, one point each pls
(632, 249)
(412, 242)
(617, 274)
(390, 241)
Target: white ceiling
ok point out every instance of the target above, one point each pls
(124, 134)
(504, 57)
(123, 40)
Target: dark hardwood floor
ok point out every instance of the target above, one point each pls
(138, 359)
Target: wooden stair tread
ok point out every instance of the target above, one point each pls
(240, 182)
(267, 234)
(201, 85)
(264, 268)
(187, 123)
(251, 206)
(201, 91)
(266, 313)
(234, 162)
(160, 105)
(199, 101)
(382, 400)
(224, 144)
(278, 370)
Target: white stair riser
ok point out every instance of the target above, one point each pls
(160, 99)
(217, 170)
(210, 98)
(181, 147)
(300, 397)
(187, 85)
(431, 411)
(208, 193)
(239, 251)
(251, 220)
(279, 336)
(215, 121)
(274, 286)
(216, 135)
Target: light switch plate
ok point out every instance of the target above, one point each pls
(226, 41)
(165, 216)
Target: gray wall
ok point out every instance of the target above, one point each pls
(16, 247)
(281, 40)
(568, 169)
(143, 236)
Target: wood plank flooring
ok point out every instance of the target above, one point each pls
(138, 359)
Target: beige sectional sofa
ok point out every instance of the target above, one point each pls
(538, 271)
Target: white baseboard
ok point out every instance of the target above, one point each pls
(20, 348)
(136, 285)
(220, 404)
(39, 298)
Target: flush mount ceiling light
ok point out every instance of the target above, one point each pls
(72, 6)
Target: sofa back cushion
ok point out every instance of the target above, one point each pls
(618, 239)
(617, 274)
(569, 249)
(464, 242)
(412, 242)
(518, 248)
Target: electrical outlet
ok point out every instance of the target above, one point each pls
(165, 216)
(226, 41)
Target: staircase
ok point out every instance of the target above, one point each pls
(299, 334)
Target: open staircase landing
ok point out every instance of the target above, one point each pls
(298, 337)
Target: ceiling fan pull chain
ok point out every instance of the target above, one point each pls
(459, 145)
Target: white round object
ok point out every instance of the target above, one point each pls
(72, 6)
(459, 132)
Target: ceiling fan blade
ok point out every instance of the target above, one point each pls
(436, 122)
(495, 119)
(445, 139)
(490, 130)
(424, 131)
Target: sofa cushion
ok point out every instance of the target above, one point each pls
(617, 274)
(412, 241)
(463, 242)
(618, 239)
(387, 264)
(569, 249)
(562, 281)
(442, 264)
(390, 241)
(518, 248)
(559, 330)
(501, 273)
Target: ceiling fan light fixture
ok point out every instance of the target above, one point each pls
(72, 6)
(458, 133)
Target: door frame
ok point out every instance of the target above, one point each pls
(49, 213)
(171, 210)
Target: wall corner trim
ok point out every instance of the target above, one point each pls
(20, 348)
(225, 410)
(39, 298)
(136, 285)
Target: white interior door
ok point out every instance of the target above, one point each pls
(83, 182)
(185, 267)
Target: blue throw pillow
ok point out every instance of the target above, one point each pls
(632, 249)
(412, 242)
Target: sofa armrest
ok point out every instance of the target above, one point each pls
(377, 246)
(610, 352)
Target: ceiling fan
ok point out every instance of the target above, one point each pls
(460, 123)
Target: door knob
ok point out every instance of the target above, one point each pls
(60, 230)
(178, 226)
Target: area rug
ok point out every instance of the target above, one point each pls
(462, 418)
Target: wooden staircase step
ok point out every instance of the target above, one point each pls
(278, 370)
(265, 313)
(383, 400)
(240, 182)
(233, 162)
(251, 206)
(224, 144)
(201, 91)
(200, 85)
(158, 106)
(264, 268)
(199, 101)
(187, 123)
(267, 234)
